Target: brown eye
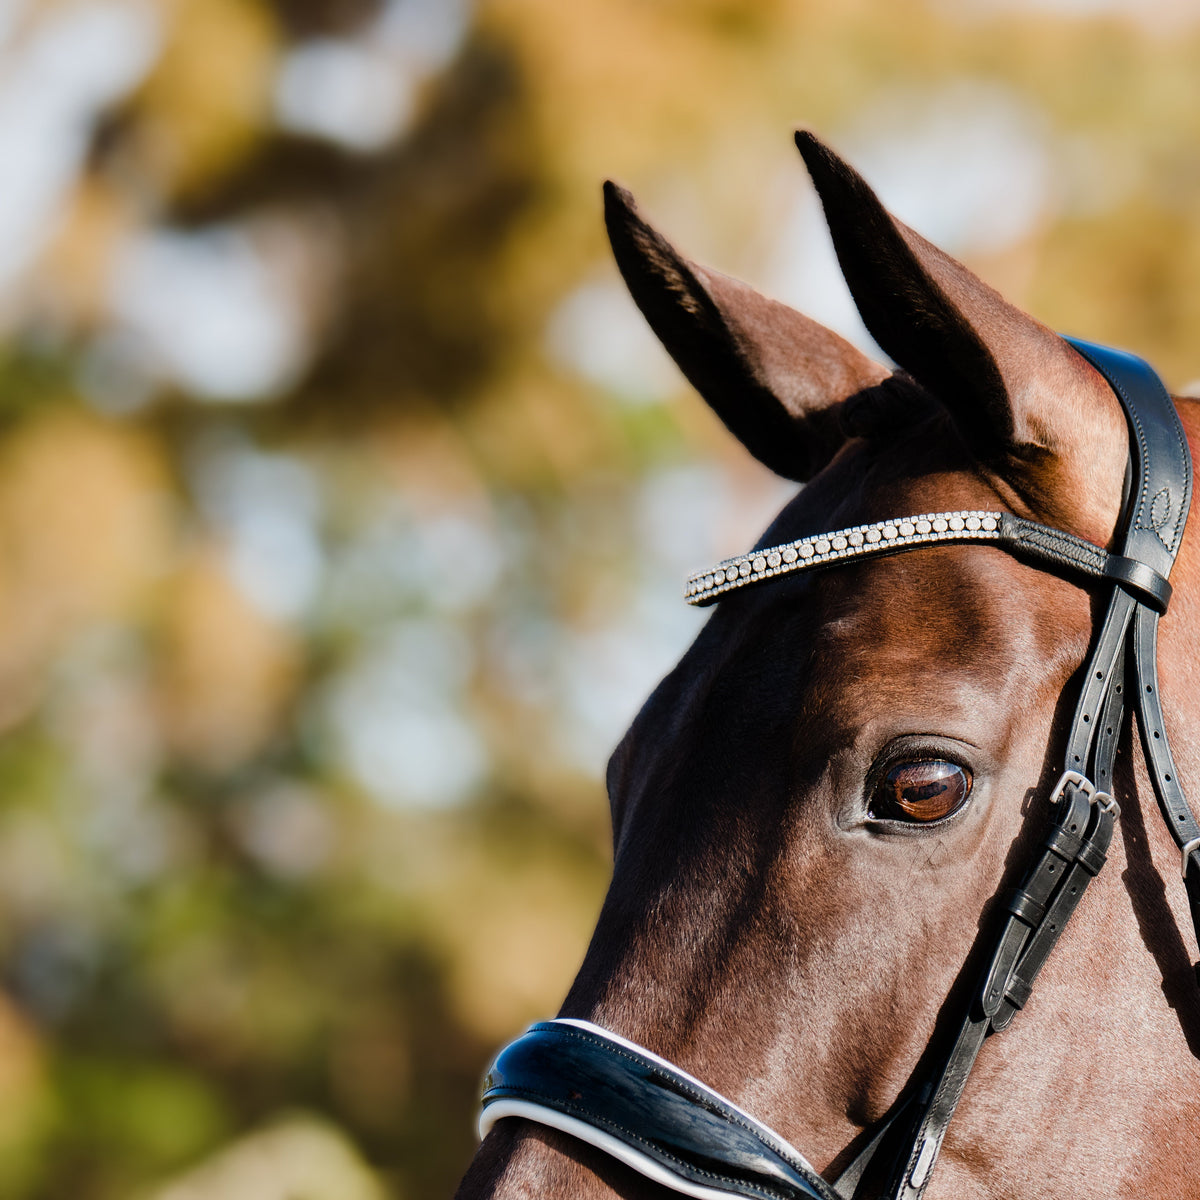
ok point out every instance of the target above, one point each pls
(921, 791)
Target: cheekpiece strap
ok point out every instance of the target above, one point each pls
(1083, 813)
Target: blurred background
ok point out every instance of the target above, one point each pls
(345, 502)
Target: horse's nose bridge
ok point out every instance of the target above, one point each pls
(677, 957)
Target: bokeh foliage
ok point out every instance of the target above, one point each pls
(305, 688)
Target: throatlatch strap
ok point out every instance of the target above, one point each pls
(1175, 809)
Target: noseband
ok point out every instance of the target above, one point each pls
(646, 1112)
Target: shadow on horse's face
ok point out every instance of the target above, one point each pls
(775, 919)
(817, 811)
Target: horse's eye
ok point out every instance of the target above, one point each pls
(918, 792)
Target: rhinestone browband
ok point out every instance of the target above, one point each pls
(704, 587)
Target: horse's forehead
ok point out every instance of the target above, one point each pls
(957, 606)
(939, 630)
(925, 622)
(936, 626)
(970, 607)
(961, 634)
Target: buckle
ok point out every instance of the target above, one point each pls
(1082, 782)
(1090, 790)
(1186, 850)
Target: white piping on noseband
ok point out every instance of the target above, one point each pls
(605, 1142)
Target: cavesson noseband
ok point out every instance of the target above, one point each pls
(643, 1110)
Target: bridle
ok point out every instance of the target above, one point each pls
(641, 1109)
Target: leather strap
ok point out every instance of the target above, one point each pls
(1161, 498)
(1161, 461)
(1158, 501)
(1065, 552)
(1072, 854)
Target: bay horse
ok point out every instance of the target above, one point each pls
(818, 814)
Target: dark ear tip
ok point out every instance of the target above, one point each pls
(818, 157)
(809, 145)
(626, 229)
(618, 199)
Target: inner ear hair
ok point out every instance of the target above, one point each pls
(895, 404)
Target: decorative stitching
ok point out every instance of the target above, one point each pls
(1170, 546)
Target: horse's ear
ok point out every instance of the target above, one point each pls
(1025, 402)
(774, 377)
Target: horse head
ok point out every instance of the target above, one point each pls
(817, 815)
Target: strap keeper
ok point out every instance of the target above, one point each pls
(1018, 991)
(1091, 858)
(1144, 583)
(1025, 908)
(1064, 843)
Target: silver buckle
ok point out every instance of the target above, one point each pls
(1089, 789)
(1082, 782)
(1185, 850)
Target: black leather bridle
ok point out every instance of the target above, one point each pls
(641, 1109)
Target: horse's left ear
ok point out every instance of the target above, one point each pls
(1029, 407)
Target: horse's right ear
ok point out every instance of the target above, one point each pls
(776, 378)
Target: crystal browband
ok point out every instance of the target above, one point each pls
(1014, 534)
(704, 587)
